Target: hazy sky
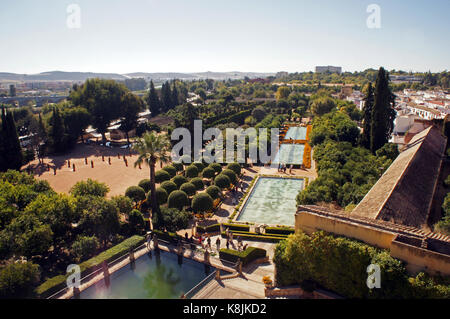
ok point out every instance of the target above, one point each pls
(222, 35)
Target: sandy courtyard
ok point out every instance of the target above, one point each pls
(117, 176)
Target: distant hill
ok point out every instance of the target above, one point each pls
(162, 76)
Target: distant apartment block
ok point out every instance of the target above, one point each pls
(329, 68)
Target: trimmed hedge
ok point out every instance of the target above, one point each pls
(208, 229)
(279, 230)
(54, 284)
(167, 236)
(250, 236)
(237, 227)
(247, 256)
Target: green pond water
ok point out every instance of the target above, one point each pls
(272, 201)
(296, 133)
(153, 277)
(290, 154)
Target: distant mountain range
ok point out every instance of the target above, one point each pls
(82, 76)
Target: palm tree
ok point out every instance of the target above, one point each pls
(152, 148)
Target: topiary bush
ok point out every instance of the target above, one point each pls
(231, 175)
(202, 203)
(178, 199)
(191, 171)
(247, 256)
(235, 167)
(145, 184)
(216, 167)
(200, 166)
(208, 172)
(136, 193)
(179, 180)
(178, 166)
(169, 187)
(123, 203)
(161, 195)
(85, 247)
(136, 220)
(171, 170)
(161, 176)
(214, 192)
(198, 183)
(188, 188)
(222, 181)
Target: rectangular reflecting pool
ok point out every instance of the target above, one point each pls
(296, 133)
(290, 154)
(155, 276)
(272, 201)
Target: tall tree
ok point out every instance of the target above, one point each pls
(39, 137)
(152, 148)
(76, 120)
(57, 132)
(154, 104)
(383, 113)
(367, 117)
(131, 106)
(175, 99)
(11, 152)
(166, 96)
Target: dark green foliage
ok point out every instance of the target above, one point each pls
(123, 203)
(57, 135)
(179, 180)
(11, 156)
(336, 126)
(340, 264)
(162, 176)
(216, 167)
(231, 175)
(136, 193)
(202, 203)
(383, 113)
(323, 105)
(171, 170)
(246, 256)
(222, 181)
(17, 280)
(89, 187)
(367, 117)
(235, 167)
(198, 183)
(188, 188)
(161, 195)
(214, 192)
(178, 166)
(178, 199)
(85, 247)
(153, 102)
(200, 166)
(279, 230)
(171, 219)
(145, 184)
(209, 173)
(191, 171)
(169, 186)
(389, 150)
(136, 220)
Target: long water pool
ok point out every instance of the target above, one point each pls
(290, 154)
(296, 133)
(272, 201)
(155, 276)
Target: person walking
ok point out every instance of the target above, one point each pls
(228, 244)
(208, 242)
(218, 243)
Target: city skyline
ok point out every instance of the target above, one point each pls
(263, 36)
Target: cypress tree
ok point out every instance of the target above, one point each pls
(12, 157)
(367, 117)
(175, 100)
(154, 104)
(56, 133)
(383, 114)
(166, 97)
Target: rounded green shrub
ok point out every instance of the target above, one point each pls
(136, 193)
(191, 171)
(200, 166)
(208, 172)
(231, 175)
(161, 195)
(213, 191)
(222, 181)
(171, 170)
(188, 188)
(178, 199)
(169, 186)
(235, 167)
(161, 176)
(179, 180)
(198, 182)
(216, 167)
(145, 184)
(136, 220)
(202, 203)
(178, 166)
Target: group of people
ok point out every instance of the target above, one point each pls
(282, 168)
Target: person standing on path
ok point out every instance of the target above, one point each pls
(218, 243)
